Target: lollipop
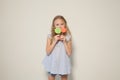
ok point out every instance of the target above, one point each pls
(64, 30)
(57, 30)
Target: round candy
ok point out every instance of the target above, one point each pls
(57, 30)
(63, 29)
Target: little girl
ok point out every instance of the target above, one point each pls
(58, 50)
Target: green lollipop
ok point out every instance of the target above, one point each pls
(57, 30)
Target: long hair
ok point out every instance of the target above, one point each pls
(53, 26)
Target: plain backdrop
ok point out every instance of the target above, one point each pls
(95, 28)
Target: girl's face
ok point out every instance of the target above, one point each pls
(59, 23)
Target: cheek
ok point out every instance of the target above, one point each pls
(62, 25)
(54, 24)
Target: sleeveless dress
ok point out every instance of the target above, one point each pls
(58, 62)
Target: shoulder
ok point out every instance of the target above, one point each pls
(68, 37)
(49, 35)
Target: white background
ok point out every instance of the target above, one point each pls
(95, 27)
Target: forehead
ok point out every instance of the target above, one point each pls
(59, 21)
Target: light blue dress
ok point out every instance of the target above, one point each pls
(58, 62)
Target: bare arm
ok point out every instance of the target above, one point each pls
(50, 46)
(67, 44)
(68, 47)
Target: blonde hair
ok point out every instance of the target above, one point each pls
(53, 27)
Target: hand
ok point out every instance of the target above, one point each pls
(56, 38)
(62, 37)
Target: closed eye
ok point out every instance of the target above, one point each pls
(62, 24)
(57, 24)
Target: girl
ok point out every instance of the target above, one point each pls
(59, 50)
